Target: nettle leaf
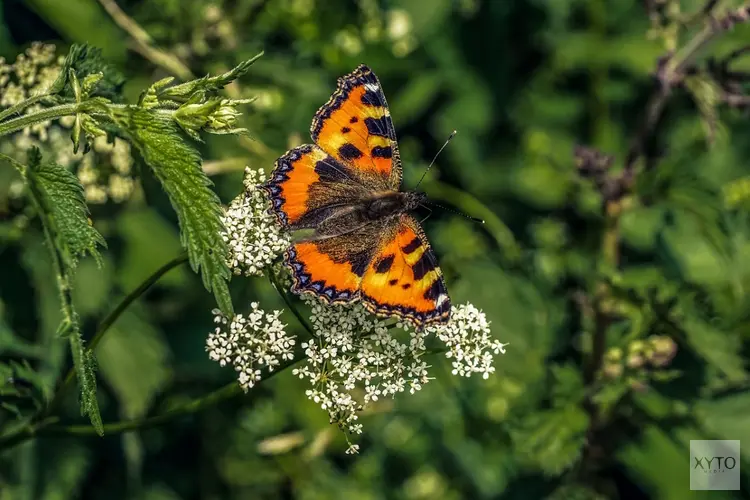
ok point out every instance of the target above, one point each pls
(177, 165)
(552, 440)
(85, 60)
(85, 366)
(61, 197)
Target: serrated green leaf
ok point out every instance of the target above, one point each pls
(177, 165)
(85, 366)
(552, 440)
(84, 61)
(207, 84)
(60, 195)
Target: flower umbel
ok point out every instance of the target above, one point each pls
(467, 336)
(252, 235)
(250, 343)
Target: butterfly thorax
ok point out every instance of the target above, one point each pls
(391, 204)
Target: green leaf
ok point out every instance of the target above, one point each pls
(177, 165)
(62, 202)
(552, 440)
(721, 350)
(136, 376)
(568, 385)
(727, 418)
(207, 84)
(84, 61)
(85, 366)
(646, 457)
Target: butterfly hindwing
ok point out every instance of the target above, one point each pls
(403, 278)
(332, 268)
(355, 127)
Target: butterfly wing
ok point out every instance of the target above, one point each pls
(332, 268)
(403, 277)
(355, 128)
(307, 185)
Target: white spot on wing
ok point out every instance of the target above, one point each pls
(372, 87)
(442, 298)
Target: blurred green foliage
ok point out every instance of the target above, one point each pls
(523, 83)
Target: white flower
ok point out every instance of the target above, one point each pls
(470, 346)
(250, 343)
(356, 360)
(253, 237)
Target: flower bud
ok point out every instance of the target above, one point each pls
(635, 361)
(663, 350)
(612, 370)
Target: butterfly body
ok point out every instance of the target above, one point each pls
(346, 188)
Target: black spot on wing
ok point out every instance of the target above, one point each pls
(349, 152)
(384, 264)
(392, 282)
(359, 263)
(353, 119)
(345, 130)
(435, 290)
(423, 266)
(381, 152)
(406, 286)
(378, 126)
(412, 245)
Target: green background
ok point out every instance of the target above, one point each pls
(523, 82)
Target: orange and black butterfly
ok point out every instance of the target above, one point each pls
(346, 187)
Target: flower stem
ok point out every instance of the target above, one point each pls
(469, 204)
(289, 304)
(109, 320)
(21, 122)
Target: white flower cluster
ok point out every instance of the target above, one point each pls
(106, 173)
(354, 358)
(253, 236)
(470, 346)
(353, 350)
(250, 343)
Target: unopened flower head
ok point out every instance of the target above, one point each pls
(253, 236)
(250, 343)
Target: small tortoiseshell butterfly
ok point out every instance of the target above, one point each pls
(346, 187)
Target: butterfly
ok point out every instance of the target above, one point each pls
(346, 187)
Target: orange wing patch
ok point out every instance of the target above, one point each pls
(355, 127)
(317, 272)
(305, 181)
(403, 278)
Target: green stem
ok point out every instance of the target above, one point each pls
(22, 105)
(469, 204)
(289, 304)
(21, 122)
(51, 427)
(110, 319)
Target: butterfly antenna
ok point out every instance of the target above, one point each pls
(473, 219)
(436, 155)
